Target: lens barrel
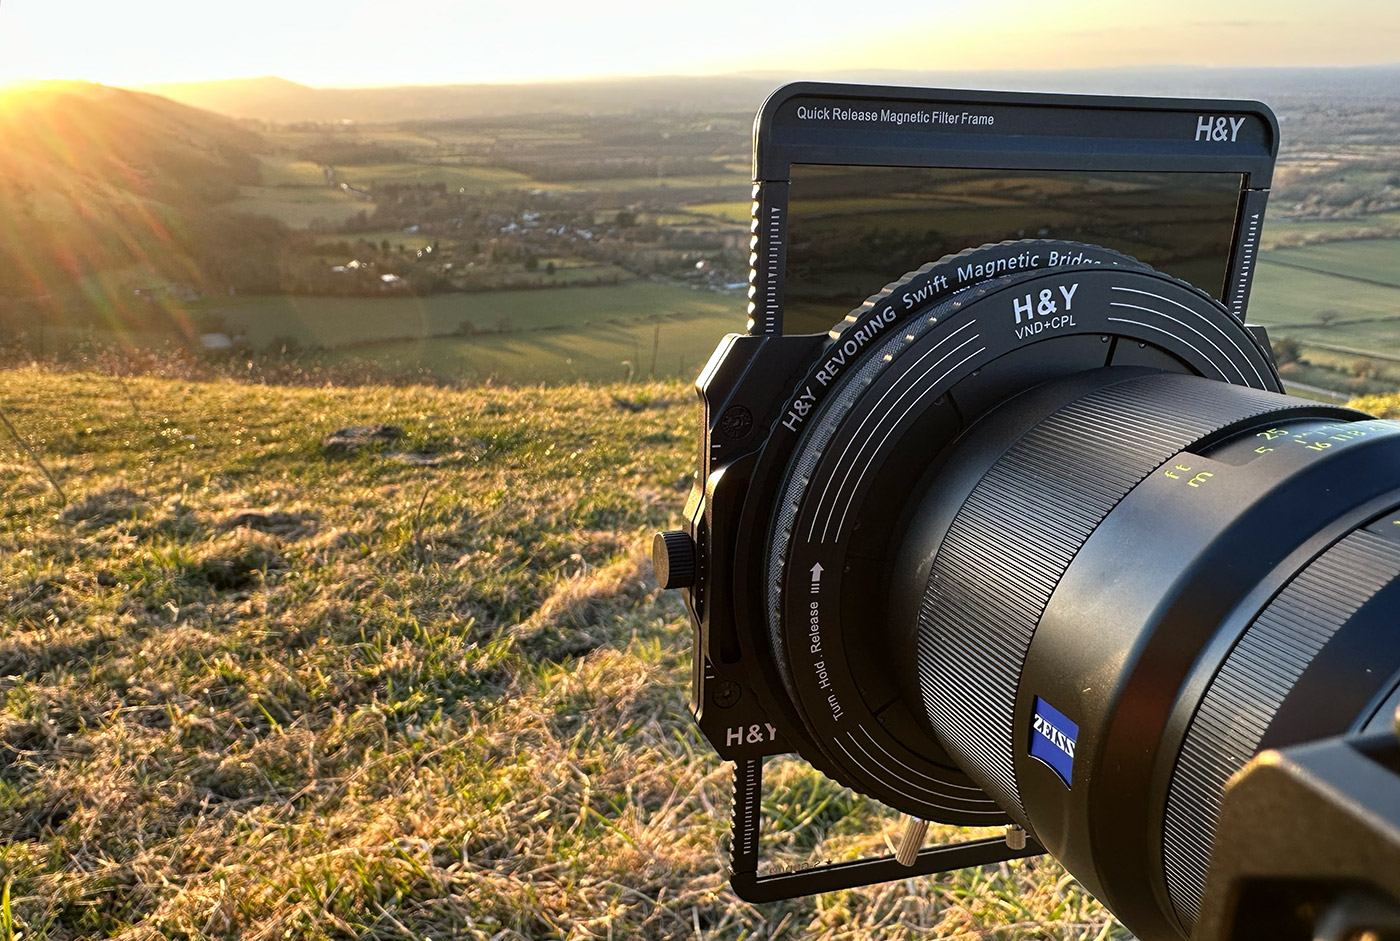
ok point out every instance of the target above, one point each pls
(1130, 594)
(1074, 577)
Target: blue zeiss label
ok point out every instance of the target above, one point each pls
(1052, 739)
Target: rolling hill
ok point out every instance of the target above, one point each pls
(103, 188)
(278, 100)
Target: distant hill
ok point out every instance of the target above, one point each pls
(278, 100)
(1269, 84)
(103, 183)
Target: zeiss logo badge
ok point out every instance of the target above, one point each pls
(1052, 739)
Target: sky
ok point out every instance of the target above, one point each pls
(373, 42)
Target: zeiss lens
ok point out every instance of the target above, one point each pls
(1135, 584)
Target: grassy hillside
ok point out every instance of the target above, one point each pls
(610, 348)
(61, 134)
(429, 689)
(105, 193)
(351, 322)
(275, 99)
(95, 179)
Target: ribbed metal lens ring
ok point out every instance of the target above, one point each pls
(1020, 529)
(1248, 690)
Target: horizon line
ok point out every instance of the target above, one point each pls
(737, 74)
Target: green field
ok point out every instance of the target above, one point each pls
(740, 182)
(472, 179)
(737, 212)
(1365, 259)
(576, 272)
(293, 138)
(1290, 296)
(477, 179)
(289, 171)
(299, 206)
(1279, 230)
(1368, 338)
(675, 346)
(422, 323)
(682, 219)
(1341, 301)
(1287, 294)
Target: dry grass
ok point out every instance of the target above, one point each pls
(251, 691)
(1381, 406)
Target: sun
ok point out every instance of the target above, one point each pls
(17, 93)
(13, 87)
(28, 93)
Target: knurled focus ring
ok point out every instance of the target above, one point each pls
(1248, 691)
(1017, 533)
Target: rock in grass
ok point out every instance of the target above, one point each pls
(640, 404)
(239, 560)
(277, 522)
(105, 508)
(346, 440)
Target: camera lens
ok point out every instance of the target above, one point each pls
(1076, 576)
(1150, 584)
